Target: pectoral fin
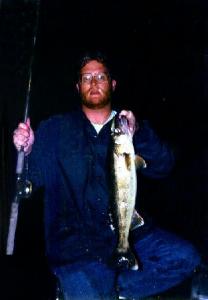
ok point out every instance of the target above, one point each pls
(140, 162)
(136, 220)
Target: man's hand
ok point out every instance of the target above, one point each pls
(24, 137)
(131, 120)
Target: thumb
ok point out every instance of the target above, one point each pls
(28, 122)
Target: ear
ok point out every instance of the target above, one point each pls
(113, 84)
(77, 86)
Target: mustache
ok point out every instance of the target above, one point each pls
(94, 89)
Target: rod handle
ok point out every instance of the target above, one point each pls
(20, 162)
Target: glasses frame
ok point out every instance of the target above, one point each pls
(94, 77)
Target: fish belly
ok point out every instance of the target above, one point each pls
(125, 195)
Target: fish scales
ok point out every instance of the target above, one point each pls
(124, 191)
(125, 188)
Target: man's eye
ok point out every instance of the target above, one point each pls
(101, 77)
(86, 78)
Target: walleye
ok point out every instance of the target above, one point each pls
(124, 191)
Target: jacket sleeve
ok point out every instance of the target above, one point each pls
(35, 159)
(40, 160)
(158, 156)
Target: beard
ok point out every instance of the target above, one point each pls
(98, 103)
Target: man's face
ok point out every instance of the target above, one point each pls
(95, 86)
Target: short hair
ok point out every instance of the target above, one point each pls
(97, 55)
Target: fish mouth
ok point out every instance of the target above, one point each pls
(122, 125)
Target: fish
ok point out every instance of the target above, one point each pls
(124, 164)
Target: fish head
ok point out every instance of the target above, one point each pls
(120, 128)
(122, 124)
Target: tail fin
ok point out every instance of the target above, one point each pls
(126, 260)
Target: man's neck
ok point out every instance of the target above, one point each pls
(97, 116)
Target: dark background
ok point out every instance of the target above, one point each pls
(159, 49)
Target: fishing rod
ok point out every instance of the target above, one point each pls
(23, 186)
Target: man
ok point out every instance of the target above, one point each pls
(69, 158)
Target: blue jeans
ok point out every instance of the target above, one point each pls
(167, 260)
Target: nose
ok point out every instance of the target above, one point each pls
(94, 80)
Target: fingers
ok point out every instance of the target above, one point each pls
(131, 119)
(23, 137)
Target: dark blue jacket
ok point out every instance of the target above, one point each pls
(70, 160)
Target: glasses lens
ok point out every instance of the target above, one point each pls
(101, 77)
(87, 78)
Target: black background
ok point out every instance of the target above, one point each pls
(159, 49)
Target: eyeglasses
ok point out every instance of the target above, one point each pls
(87, 78)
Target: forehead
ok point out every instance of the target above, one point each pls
(93, 66)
